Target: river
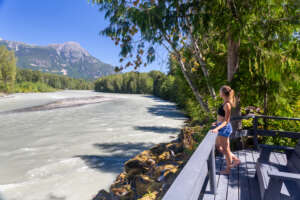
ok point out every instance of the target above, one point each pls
(68, 145)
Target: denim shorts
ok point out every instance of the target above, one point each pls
(226, 130)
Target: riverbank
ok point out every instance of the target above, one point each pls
(149, 174)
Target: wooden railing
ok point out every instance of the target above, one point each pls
(264, 132)
(189, 182)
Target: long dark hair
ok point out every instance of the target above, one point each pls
(229, 92)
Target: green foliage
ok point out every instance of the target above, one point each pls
(25, 87)
(50, 80)
(131, 82)
(7, 69)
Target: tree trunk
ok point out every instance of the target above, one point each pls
(232, 66)
(195, 91)
(203, 68)
(183, 69)
(232, 57)
(236, 112)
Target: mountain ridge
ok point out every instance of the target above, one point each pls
(68, 58)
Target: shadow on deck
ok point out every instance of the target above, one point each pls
(241, 184)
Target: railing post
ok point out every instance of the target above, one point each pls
(211, 164)
(255, 132)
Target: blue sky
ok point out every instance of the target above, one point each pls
(43, 22)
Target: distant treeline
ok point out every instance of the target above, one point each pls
(154, 82)
(27, 80)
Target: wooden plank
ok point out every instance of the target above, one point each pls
(280, 158)
(255, 155)
(222, 184)
(207, 195)
(189, 182)
(242, 117)
(287, 134)
(211, 164)
(276, 158)
(253, 185)
(233, 185)
(279, 118)
(273, 159)
(244, 185)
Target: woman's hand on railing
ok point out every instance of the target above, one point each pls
(215, 130)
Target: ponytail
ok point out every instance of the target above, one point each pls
(230, 94)
(232, 98)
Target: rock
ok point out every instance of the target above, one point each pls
(163, 170)
(122, 178)
(102, 195)
(164, 156)
(181, 158)
(150, 162)
(188, 141)
(122, 192)
(175, 147)
(142, 183)
(135, 166)
(150, 196)
(158, 149)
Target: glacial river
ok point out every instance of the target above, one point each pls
(68, 145)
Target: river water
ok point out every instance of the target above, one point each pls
(68, 145)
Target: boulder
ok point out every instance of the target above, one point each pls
(135, 166)
(150, 196)
(175, 147)
(142, 184)
(158, 149)
(122, 192)
(102, 195)
(164, 156)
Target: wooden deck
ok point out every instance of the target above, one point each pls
(241, 184)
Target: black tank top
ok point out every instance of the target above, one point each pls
(221, 110)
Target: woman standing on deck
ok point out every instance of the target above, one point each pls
(224, 128)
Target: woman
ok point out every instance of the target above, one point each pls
(224, 129)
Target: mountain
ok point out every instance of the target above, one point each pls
(68, 58)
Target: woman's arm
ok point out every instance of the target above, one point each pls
(227, 118)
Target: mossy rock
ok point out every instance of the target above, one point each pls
(164, 156)
(142, 183)
(150, 196)
(158, 149)
(122, 192)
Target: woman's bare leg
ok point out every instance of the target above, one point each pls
(227, 153)
(219, 145)
(236, 160)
